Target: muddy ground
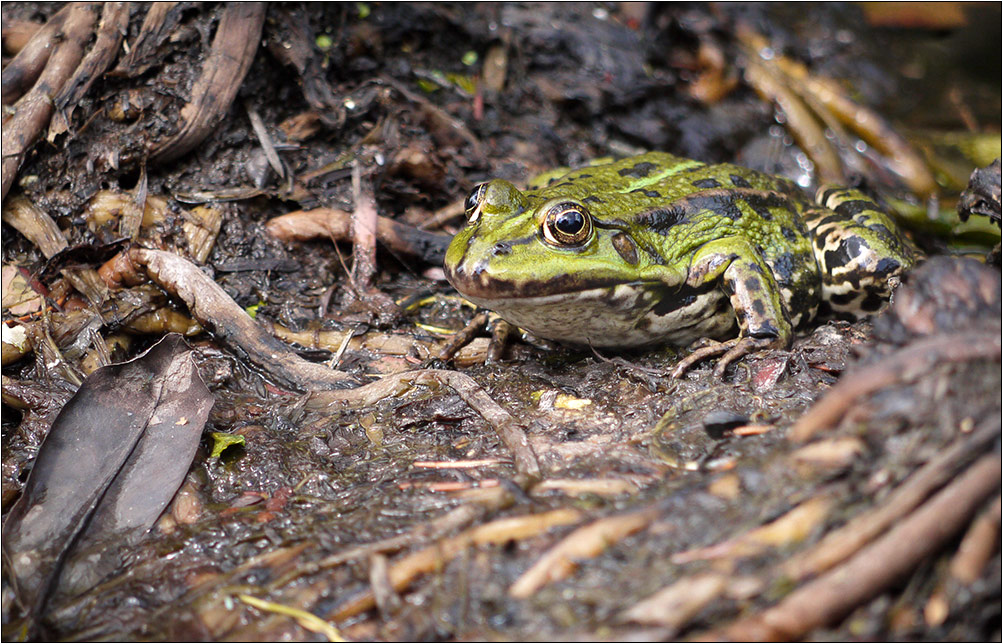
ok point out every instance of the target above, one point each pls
(546, 493)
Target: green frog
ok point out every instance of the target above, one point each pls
(657, 249)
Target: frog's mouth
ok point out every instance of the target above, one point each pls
(479, 285)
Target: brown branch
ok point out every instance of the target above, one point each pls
(840, 544)
(876, 567)
(403, 572)
(110, 32)
(217, 312)
(230, 58)
(336, 224)
(503, 423)
(978, 546)
(158, 25)
(25, 67)
(33, 111)
(586, 542)
(918, 357)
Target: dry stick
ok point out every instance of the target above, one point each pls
(918, 357)
(25, 67)
(584, 543)
(978, 545)
(363, 233)
(503, 423)
(419, 535)
(876, 567)
(231, 56)
(217, 312)
(901, 157)
(35, 224)
(33, 111)
(110, 32)
(802, 124)
(403, 572)
(840, 544)
(337, 224)
(18, 33)
(158, 23)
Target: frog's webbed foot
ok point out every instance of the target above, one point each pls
(732, 349)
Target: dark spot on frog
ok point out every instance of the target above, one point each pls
(752, 284)
(788, 234)
(855, 207)
(842, 299)
(707, 183)
(647, 193)
(881, 230)
(766, 329)
(886, 267)
(638, 170)
(660, 220)
(739, 181)
(759, 307)
(872, 303)
(584, 175)
(675, 299)
(592, 199)
(626, 247)
(501, 249)
(849, 249)
(783, 267)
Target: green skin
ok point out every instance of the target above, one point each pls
(658, 249)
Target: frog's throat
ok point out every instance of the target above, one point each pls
(621, 315)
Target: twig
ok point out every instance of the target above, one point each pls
(459, 339)
(431, 558)
(876, 567)
(110, 32)
(840, 544)
(336, 224)
(233, 48)
(918, 357)
(217, 312)
(585, 542)
(503, 423)
(978, 545)
(19, 74)
(363, 232)
(33, 111)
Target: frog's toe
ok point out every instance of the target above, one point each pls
(732, 349)
(742, 347)
(707, 349)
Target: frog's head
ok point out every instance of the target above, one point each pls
(520, 245)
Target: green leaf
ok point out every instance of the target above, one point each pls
(222, 440)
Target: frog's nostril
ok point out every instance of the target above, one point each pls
(501, 248)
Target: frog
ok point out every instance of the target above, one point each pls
(658, 249)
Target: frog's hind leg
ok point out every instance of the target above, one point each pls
(859, 250)
(763, 318)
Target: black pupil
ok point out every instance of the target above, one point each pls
(473, 198)
(570, 222)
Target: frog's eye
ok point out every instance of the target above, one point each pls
(472, 204)
(567, 224)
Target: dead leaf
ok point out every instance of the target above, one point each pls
(110, 464)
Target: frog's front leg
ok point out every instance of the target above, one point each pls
(755, 297)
